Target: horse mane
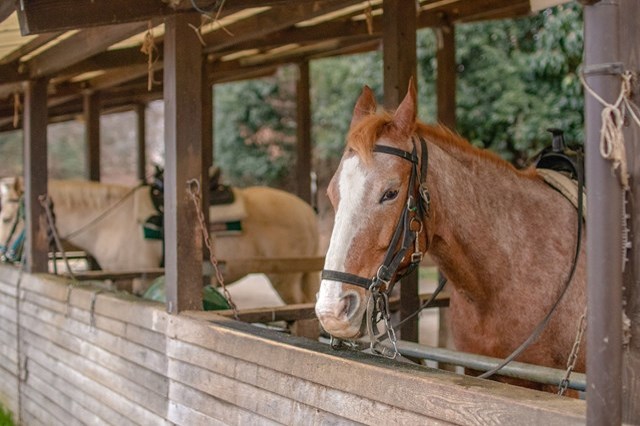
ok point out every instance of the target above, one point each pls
(364, 135)
(79, 193)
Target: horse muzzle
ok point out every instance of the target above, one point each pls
(342, 317)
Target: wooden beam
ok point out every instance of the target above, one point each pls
(446, 78)
(270, 21)
(29, 47)
(399, 65)
(141, 137)
(7, 7)
(35, 174)
(629, 34)
(56, 15)
(303, 133)
(207, 153)
(92, 135)
(80, 46)
(183, 151)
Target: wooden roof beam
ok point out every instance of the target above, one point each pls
(6, 9)
(38, 16)
(79, 47)
(270, 21)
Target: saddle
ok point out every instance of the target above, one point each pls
(561, 167)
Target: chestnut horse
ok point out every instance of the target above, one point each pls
(101, 219)
(505, 240)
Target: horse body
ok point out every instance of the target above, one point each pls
(503, 238)
(101, 219)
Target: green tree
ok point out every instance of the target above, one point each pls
(255, 129)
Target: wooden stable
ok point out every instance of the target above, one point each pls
(79, 352)
(82, 355)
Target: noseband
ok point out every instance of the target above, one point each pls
(406, 234)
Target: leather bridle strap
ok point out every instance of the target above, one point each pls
(387, 270)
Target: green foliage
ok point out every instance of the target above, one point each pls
(255, 129)
(11, 153)
(516, 78)
(6, 417)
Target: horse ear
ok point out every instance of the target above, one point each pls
(366, 105)
(405, 116)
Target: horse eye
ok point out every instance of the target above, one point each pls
(389, 195)
(6, 219)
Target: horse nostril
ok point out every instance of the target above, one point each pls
(349, 304)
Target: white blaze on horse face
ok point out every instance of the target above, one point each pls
(352, 191)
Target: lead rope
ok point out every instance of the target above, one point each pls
(193, 187)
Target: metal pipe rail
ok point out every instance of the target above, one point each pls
(516, 370)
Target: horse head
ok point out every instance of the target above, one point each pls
(10, 204)
(381, 205)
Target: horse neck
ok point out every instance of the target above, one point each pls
(477, 220)
(73, 213)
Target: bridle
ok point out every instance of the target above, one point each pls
(408, 228)
(12, 251)
(406, 237)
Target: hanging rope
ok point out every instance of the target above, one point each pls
(217, 7)
(150, 49)
(613, 120)
(368, 14)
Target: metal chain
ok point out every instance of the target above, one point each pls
(46, 203)
(193, 186)
(573, 356)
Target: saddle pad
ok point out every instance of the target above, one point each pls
(233, 212)
(566, 186)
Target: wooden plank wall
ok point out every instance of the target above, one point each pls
(128, 362)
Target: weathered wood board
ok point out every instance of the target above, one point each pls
(77, 354)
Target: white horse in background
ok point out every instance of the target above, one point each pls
(104, 220)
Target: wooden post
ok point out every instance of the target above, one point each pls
(183, 150)
(35, 174)
(446, 98)
(92, 135)
(141, 135)
(446, 80)
(400, 64)
(303, 132)
(629, 36)
(207, 153)
(604, 256)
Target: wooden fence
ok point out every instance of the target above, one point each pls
(79, 355)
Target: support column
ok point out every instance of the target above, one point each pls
(446, 99)
(183, 151)
(604, 258)
(141, 135)
(303, 132)
(446, 79)
(92, 135)
(207, 153)
(630, 51)
(400, 64)
(35, 174)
